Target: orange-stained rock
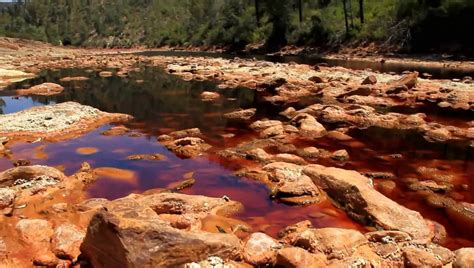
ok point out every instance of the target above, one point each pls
(131, 234)
(45, 89)
(366, 204)
(294, 257)
(260, 249)
(464, 258)
(67, 239)
(56, 121)
(333, 242)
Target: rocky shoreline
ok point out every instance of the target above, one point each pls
(57, 225)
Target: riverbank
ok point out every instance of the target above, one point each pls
(398, 145)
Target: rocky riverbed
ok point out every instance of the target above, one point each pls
(367, 169)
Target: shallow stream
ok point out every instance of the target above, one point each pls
(162, 103)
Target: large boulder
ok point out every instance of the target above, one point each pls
(260, 249)
(464, 258)
(129, 232)
(356, 194)
(66, 241)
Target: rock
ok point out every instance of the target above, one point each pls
(46, 260)
(105, 74)
(29, 176)
(388, 236)
(45, 89)
(438, 134)
(294, 257)
(316, 79)
(289, 233)
(92, 204)
(130, 234)
(35, 232)
(174, 203)
(7, 197)
(67, 239)
(464, 258)
(360, 91)
(210, 96)
(116, 131)
(73, 78)
(188, 147)
(362, 202)
(264, 124)
(260, 249)
(340, 155)
(289, 158)
(333, 242)
(241, 115)
(191, 132)
(370, 80)
(272, 84)
(408, 80)
(272, 132)
(309, 152)
(56, 121)
(415, 257)
(289, 112)
(148, 157)
(309, 127)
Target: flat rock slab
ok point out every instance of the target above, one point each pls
(358, 197)
(56, 122)
(45, 89)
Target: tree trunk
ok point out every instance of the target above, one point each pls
(257, 12)
(300, 9)
(345, 16)
(361, 11)
(350, 14)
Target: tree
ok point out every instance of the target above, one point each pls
(279, 17)
(344, 3)
(257, 12)
(300, 10)
(361, 11)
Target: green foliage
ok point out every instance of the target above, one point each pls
(414, 24)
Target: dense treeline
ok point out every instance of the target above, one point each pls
(419, 25)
